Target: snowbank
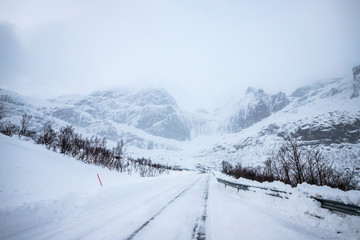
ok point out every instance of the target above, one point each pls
(347, 197)
(39, 186)
(300, 208)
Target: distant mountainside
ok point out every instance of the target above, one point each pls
(135, 117)
(153, 111)
(324, 114)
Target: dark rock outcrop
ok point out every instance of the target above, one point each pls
(337, 133)
(356, 74)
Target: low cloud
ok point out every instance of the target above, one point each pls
(11, 54)
(202, 52)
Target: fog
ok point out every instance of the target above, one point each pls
(202, 52)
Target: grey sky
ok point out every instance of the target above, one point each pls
(202, 52)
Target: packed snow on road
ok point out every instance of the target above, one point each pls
(45, 195)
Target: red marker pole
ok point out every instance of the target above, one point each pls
(99, 180)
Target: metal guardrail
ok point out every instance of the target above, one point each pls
(327, 204)
(339, 206)
(273, 192)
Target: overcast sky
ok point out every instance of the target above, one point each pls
(202, 52)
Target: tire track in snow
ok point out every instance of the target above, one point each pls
(99, 214)
(199, 228)
(161, 210)
(95, 217)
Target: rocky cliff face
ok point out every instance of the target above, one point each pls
(254, 107)
(113, 114)
(153, 111)
(333, 128)
(356, 74)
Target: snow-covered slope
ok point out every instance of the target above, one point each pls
(40, 187)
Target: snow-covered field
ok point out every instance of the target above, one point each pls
(45, 195)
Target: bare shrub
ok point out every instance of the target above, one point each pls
(47, 135)
(25, 124)
(294, 165)
(8, 129)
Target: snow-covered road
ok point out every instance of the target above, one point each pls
(187, 206)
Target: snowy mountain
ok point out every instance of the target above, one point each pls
(325, 114)
(144, 119)
(321, 115)
(153, 111)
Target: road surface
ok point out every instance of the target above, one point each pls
(188, 206)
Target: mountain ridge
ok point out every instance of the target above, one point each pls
(151, 123)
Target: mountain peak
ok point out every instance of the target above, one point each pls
(253, 107)
(154, 96)
(314, 87)
(254, 90)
